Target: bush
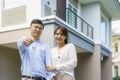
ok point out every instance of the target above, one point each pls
(116, 78)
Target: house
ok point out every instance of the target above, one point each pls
(116, 54)
(88, 22)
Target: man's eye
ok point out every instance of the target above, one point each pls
(35, 27)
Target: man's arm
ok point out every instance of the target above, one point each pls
(48, 63)
(23, 43)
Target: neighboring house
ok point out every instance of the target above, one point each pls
(116, 54)
(88, 22)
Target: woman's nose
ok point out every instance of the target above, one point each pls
(59, 35)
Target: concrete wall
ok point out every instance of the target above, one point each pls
(9, 64)
(89, 65)
(106, 68)
(12, 36)
(14, 16)
(91, 14)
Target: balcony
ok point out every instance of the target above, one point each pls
(78, 23)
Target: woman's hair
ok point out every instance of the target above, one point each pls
(64, 31)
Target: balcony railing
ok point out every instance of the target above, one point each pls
(78, 23)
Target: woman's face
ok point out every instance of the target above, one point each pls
(60, 37)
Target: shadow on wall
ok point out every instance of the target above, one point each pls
(81, 69)
(9, 64)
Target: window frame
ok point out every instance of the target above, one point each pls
(107, 31)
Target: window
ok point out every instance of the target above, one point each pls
(116, 47)
(12, 3)
(104, 29)
(47, 2)
(115, 70)
(71, 16)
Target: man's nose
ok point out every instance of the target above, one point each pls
(38, 29)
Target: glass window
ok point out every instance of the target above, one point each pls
(47, 2)
(103, 30)
(116, 47)
(116, 70)
(12, 3)
(72, 16)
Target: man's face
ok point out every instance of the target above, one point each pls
(36, 30)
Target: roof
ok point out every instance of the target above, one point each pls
(111, 6)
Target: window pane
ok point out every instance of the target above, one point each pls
(72, 18)
(103, 31)
(47, 2)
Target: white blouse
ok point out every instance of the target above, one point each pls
(65, 59)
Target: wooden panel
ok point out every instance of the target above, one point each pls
(61, 9)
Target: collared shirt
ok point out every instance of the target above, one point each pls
(35, 58)
(65, 59)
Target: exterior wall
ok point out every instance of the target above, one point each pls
(89, 65)
(13, 35)
(9, 64)
(34, 10)
(91, 14)
(49, 32)
(14, 16)
(106, 68)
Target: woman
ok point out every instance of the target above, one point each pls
(64, 56)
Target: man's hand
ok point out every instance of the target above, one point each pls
(51, 68)
(28, 41)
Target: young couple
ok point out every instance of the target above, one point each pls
(38, 62)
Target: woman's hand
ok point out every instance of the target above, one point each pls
(51, 68)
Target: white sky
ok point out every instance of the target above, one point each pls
(116, 26)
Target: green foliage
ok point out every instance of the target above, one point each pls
(116, 78)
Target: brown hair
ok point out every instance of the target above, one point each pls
(64, 31)
(37, 21)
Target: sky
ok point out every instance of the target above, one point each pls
(116, 26)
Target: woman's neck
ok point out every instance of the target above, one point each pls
(59, 46)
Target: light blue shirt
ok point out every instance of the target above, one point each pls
(35, 58)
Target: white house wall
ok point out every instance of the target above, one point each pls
(91, 14)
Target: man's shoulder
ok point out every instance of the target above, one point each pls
(21, 39)
(44, 44)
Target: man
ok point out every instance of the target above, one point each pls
(35, 55)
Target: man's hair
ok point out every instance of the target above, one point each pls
(37, 21)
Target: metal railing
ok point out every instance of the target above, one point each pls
(78, 23)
